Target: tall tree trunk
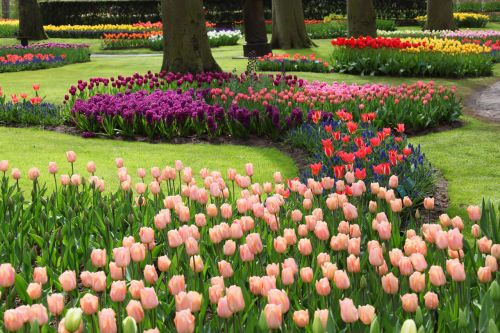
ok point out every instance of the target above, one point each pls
(5, 9)
(361, 18)
(30, 21)
(255, 29)
(440, 15)
(289, 29)
(185, 40)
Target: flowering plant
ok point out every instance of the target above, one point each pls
(292, 63)
(464, 20)
(70, 53)
(28, 61)
(232, 254)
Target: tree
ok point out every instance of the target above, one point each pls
(289, 29)
(440, 15)
(185, 40)
(361, 18)
(30, 21)
(5, 9)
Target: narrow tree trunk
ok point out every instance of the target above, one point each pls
(30, 21)
(5, 9)
(440, 15)
(185, 40)
(289, 29)
(361, 18)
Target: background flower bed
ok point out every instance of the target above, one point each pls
(8, 28)
(463, 20)
(411, 57)
(216, 38)
(292, 63)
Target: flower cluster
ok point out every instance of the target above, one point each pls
(464, 20)
(29, 61)
(125, 40)
(216, 38)
(174, 252)
(292, 63)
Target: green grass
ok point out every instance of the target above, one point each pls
(28, 147)
(469, 159)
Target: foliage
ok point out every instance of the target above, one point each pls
(478, 7)
(296, 63)
(411, 57)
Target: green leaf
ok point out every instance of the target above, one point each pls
(21, 286)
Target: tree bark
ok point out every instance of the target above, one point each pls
(289, 29)
(185, 40)
(5, 9)
(440, 15)
(30, 21)
(361, 18)
(255, 29)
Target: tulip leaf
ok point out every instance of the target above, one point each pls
(485, 315)
(21, 285)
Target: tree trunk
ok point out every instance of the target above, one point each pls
(5, 9)
(185, 40)
(289, 29)
(361, 18)
(30, 21)
(440, 15)
(255, 29)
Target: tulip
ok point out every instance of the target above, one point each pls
(323, 287)
(429, 203)
(491, 263)
(12, 320)
(55, 303)
(366, 314)
(409, 302)
(223, 309)
(320, 321)
(409, 326)
(474, 213)
(135, 288)
(149, 300)
(7, 275)
(301, 318)
(73, 319)
(417, 282)
(34, 290)
(196, 264)
(273, 315)
(225, 269)
(118, 291)
(279, 297)
(305, 246)
(107, 321)
(129, 325)
(495, 251)
(484, 274)
(98, 258)
(287, 276)
(431, 300)
(134, 309)
(67, 280)
(341, 280)
(484, 245)
(436, 276)
(390, 284)
(98, 281)
(235, 299)
(348, 311)
(184, 321)
(122, 256)
(89, 304)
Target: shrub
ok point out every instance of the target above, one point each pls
(478, 7)
(411, 57)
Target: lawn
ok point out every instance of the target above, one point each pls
(464, 155)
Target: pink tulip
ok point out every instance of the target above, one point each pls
(366, 314)
(436, 276)
(301, 318)
(134, 309)
(55, 303)
(34, 290)
(323, 287)
(98, 258)
(67, 280)
(341, 280)
(348, 311)
(235, 299)
(409, 302)
(390, 284)
(40, 275)
(176, 284)
(122, 256)
(149, 300)
(273, 315)
(431, 300)
(71, 156)
(107, 321)
(184, 321)
(279, 297)
(223, 309)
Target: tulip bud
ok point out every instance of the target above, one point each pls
(419, 318)
(129, 325)
(409, 326)
(421, 329)
(317, 325)
(262, 322)
(375, 326)
(73, 319)
(495, 291)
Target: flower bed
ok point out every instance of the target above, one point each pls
(285, 99)
(123, 41)
(463, 20)
(296, 63)
(216, 38)
(8, 28)
(29, 61)
(24, 109)
(231, 254)
(411, 57)
(73, 53)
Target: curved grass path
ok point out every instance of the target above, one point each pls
(28, 147)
